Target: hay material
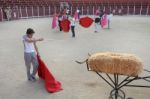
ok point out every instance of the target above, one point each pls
(116, 63)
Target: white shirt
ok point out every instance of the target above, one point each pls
(73, 22)
(96, 16)
(28, 47)
(67, 11)
(109, 17)
(78, 10)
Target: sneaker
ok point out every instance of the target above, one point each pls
(32, 79)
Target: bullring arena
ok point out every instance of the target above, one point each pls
(129, 33)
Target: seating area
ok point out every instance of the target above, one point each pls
(42, 8)
(73, 2)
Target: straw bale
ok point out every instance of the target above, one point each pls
(116, 63)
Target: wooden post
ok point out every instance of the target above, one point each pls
(82, 10)
(38, 10)
(134, 10)
(93, 10)
(141, 9)
(128, 10)
(2, 14)
(32, 11)
(49, 9)
(20, 12)
(26, 11)
(147, 10)
(43, 10)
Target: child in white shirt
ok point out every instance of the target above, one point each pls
(30, 53)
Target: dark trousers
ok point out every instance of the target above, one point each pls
(108, 24)
(79, 15)
(59, 22)
(67, 15)
(72, 30)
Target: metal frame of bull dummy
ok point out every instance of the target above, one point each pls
(116, 92)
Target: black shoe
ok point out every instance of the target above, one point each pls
(95, 31)
(33, 79)
(30, 79)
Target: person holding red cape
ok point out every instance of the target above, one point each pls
(30, 51)
(31, 55)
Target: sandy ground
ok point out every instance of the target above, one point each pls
(130, 34)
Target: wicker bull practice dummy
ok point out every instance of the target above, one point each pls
(117, 64)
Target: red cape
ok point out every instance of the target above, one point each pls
(86, 21)
(51, 84)
(65, 24)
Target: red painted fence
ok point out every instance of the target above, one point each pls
(42, 8)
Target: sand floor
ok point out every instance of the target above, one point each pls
(129, 34)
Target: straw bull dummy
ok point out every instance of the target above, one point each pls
(117, 64)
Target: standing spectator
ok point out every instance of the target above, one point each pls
(59, 22)
(8, 12)
(97, 21)
(104, 20)
(68, 12)
(109, 17)
(73, 26)
(54, 21)
(101, 15)
(78, 11)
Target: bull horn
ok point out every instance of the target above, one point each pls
(89, 54)
(81, 62)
